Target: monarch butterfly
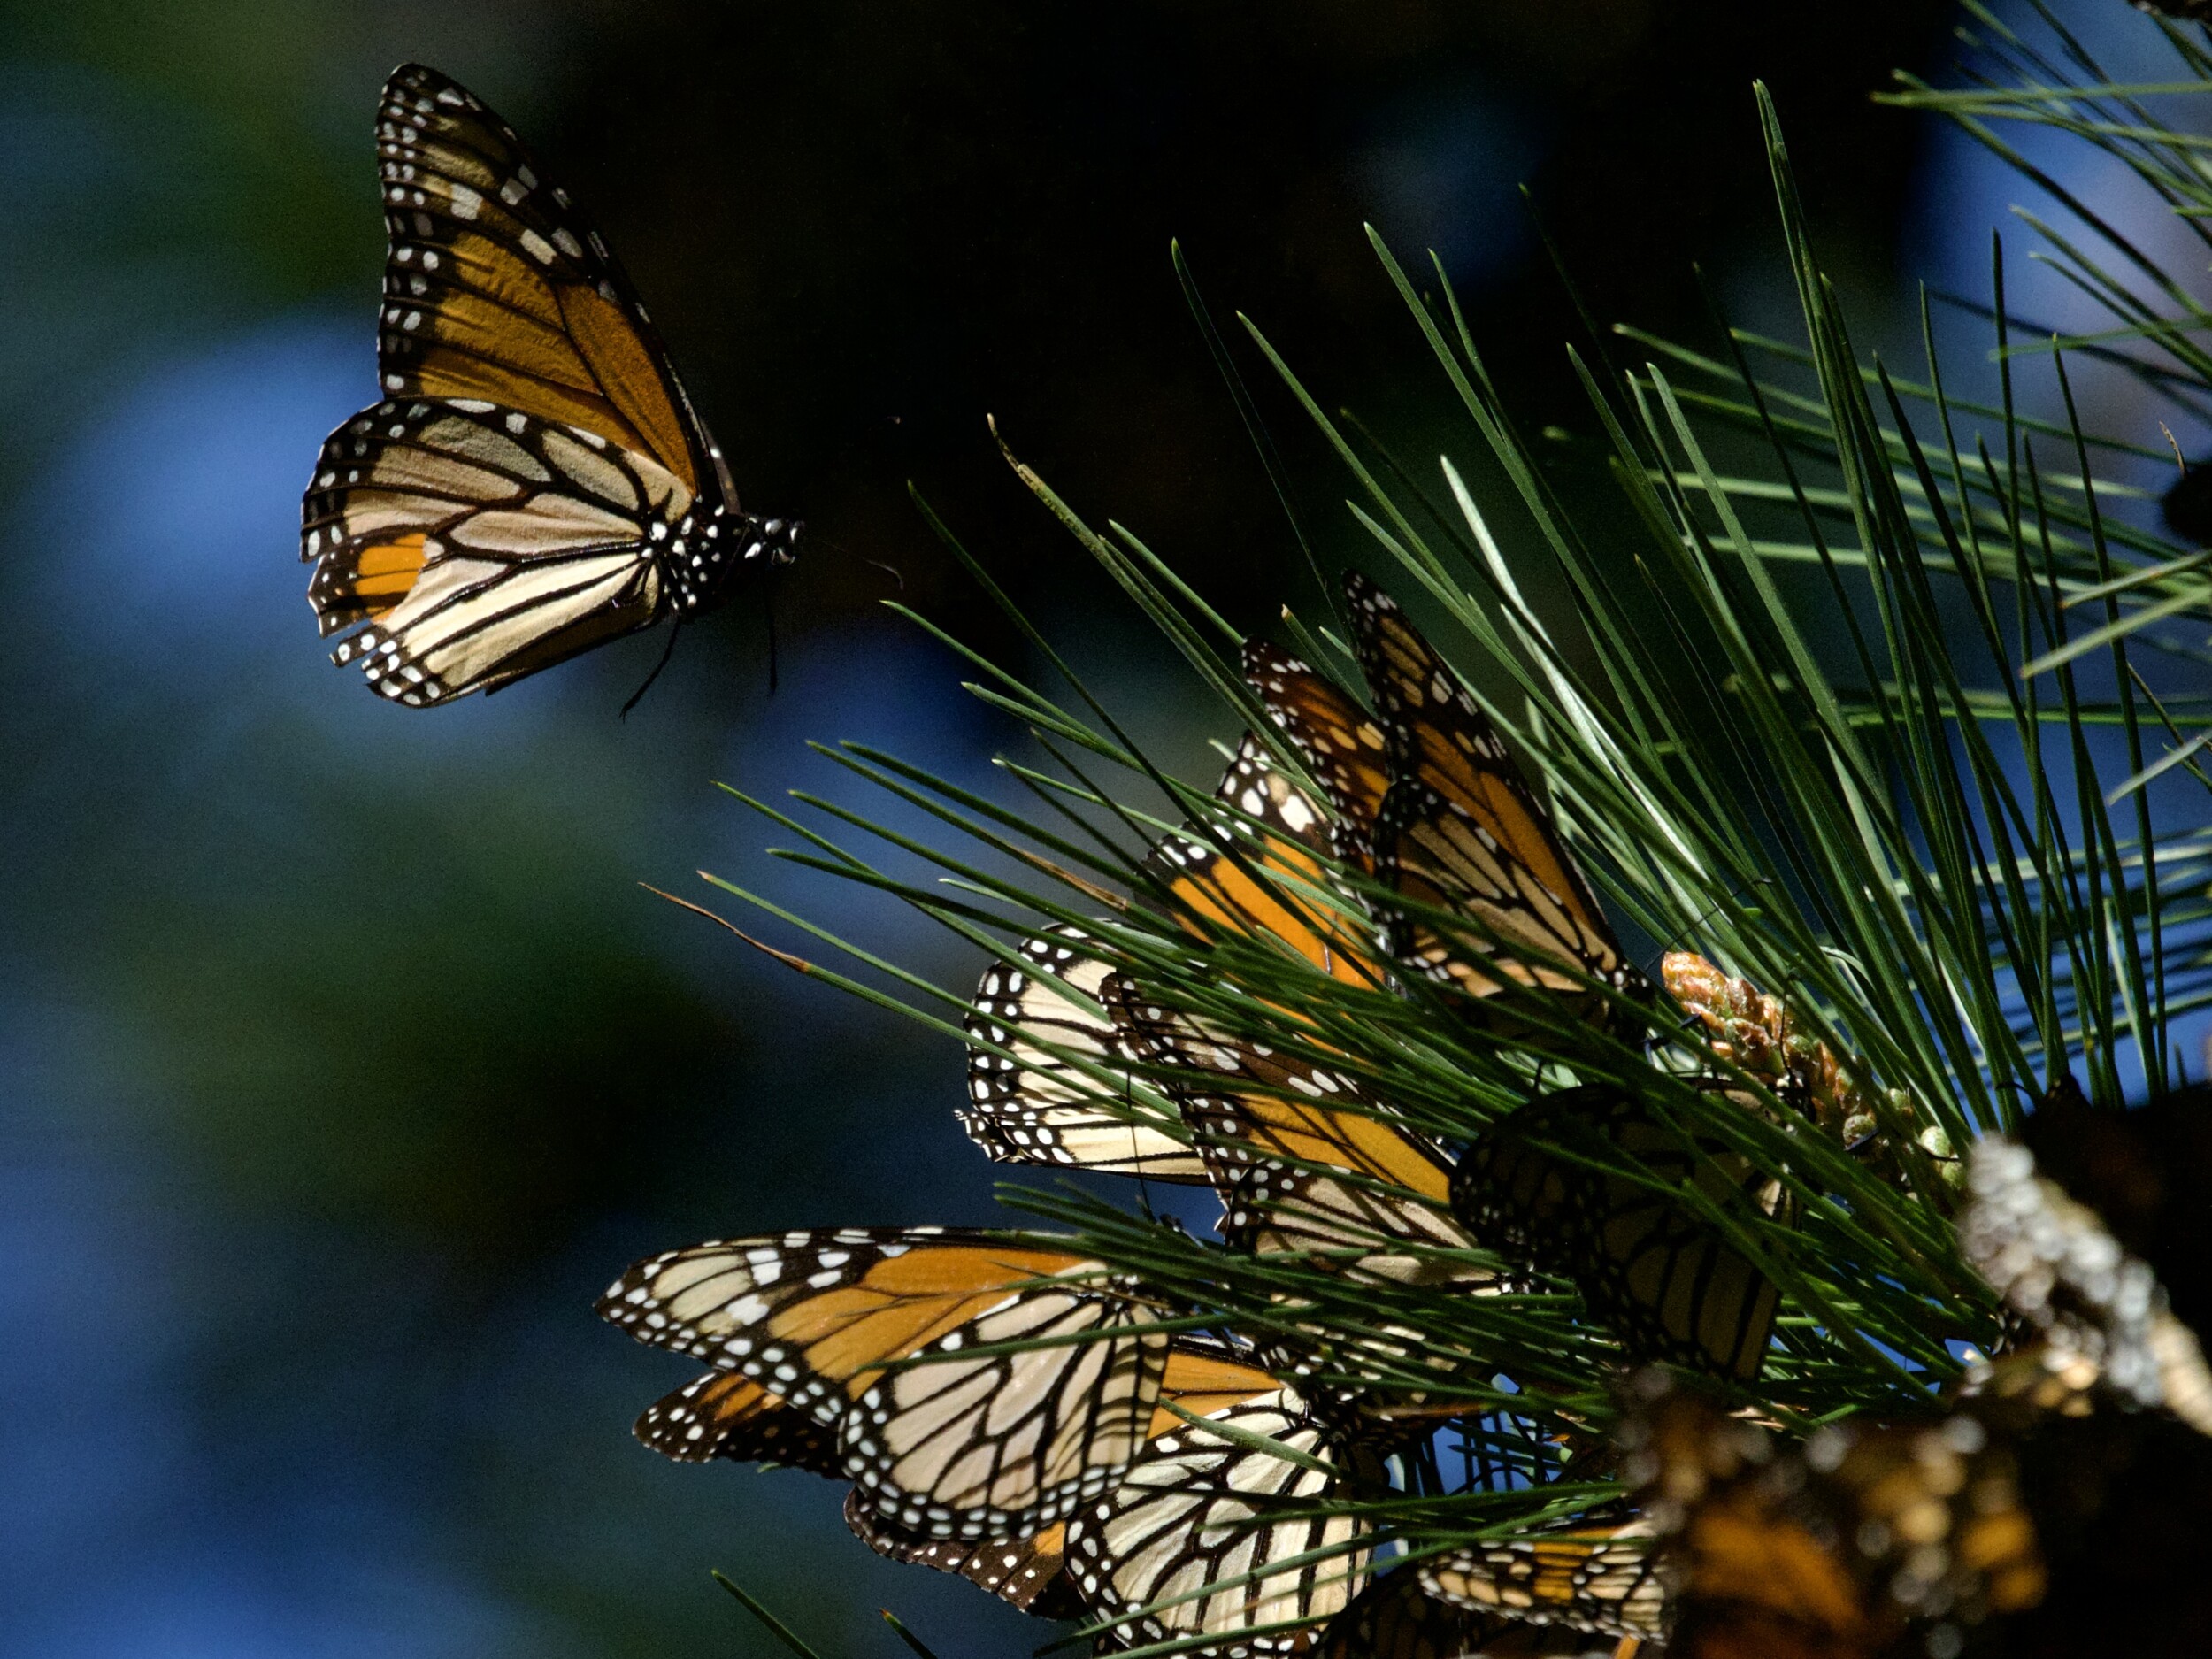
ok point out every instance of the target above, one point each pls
(1443, 817)
(1646, 1263)
(535, 480)
(950, 1446)
(1188, 1544)
(1841, 1549)
(1396, 1619)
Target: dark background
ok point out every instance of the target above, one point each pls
(344, 1059)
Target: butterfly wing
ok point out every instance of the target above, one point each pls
(1201, 1377)
(1862, 1543)
(1030, 1101)
(495, 287)
(1460, 833)
(1024, 1572)
(724, 1414)
(480, 545)
(956, 1446)
(1602, 1581)
(1306, 1162)
(1186, 1546)
(1267, 882)
(1647, 1264)
(1342, 749)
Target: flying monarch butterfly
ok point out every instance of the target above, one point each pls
(1647, 1263)
(535, 481)
(1030, 1101)
(1395, 1618)
(1867, 1541)
(1443, 817)
(1212, 1535)
(949, 1446)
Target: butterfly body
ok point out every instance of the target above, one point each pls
(536, 481)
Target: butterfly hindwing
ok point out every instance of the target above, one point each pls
(724, 1414)
(1030, 1102)
(1605, 1581)
(479, 545)
(1185, 1545)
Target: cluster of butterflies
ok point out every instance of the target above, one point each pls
(535, 481)
(1051, 1429)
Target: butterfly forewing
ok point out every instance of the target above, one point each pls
(496, 289)
(994, 1444)
(1342, 749)
(1266, 882)
(1459, 832)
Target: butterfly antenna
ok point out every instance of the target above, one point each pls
(667, 651)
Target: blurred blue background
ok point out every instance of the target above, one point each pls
(344, 1058)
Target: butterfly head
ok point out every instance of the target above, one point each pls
(711, 549)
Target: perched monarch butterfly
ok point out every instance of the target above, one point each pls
(1866, 1541)
(1647, 1264)
(1396, 1619)
(535, 481)
(1030, 1102)
(724, 1414)
(1443, 817)
(949, 1446)
(1188, 1544)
